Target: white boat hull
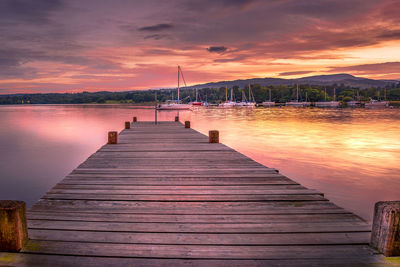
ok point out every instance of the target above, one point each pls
(377, 104)
(268, 104)
(298, 104)
(245, 104)
(354, 104)
(330, 104)
(174, 107)
(228, 104)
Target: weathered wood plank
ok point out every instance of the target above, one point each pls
(196, 251)
(184, 197)
(202, 191)
(175, 181)
(298, 227)
(270, 187)
(194, 218)
(28, 260)
(202, 238)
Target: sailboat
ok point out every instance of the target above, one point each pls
(269, 103)
(296, 103)
(196, 102)
(175, 104)
(355, 103)
(377, 103)
(245, 102)
(228, 103)
(330, 104)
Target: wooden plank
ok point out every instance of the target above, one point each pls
(201, 191)
(298, 227)
(196, 251)
(236, 172)
(202, 238)
(194, 181)
(187, 207)
(270, 187)
(182, 176)
(194, 218)
(184, 197)
(21, 259)
(167, 154)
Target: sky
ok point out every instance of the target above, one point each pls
(94, 45)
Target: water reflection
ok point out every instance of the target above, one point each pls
(350, 155)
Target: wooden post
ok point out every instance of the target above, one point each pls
(13, 229)
(176, 118)
(213, 136)
(112, 137)
(155, 107)
(134, 119)
(127, 125)
(187, 124)
(385, 236)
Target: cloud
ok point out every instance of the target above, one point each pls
(156, 28)
(291, 73)
(37, 12)
(370, 69)
(156, 36)
(216, 49)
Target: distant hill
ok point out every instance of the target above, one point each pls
(342, 78)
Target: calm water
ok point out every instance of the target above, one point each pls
(353, 156)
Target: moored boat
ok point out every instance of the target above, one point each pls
(377, 104)
(228, 103)
(269, 103)
(296, 103)
(247, 103)
(329, 104)
(175, 104)
(196, 102)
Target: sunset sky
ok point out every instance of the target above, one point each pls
(93, 45)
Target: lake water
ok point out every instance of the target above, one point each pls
(351, 155)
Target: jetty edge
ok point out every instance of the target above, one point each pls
(165, 194)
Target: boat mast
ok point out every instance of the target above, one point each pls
(249, 94)
(269, 94)
(178, 82)
(232, 94)
(226, 93)
(334, 94)
(196, 94)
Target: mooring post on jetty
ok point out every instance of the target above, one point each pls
(187, 124)
(385, 236)
(155, 108)
(213, 136)
(13, 227)
(112, 137)
(134, 119)
(127, 125)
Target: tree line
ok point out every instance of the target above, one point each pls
(279, 94)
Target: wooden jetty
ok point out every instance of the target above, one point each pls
(165, 196)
